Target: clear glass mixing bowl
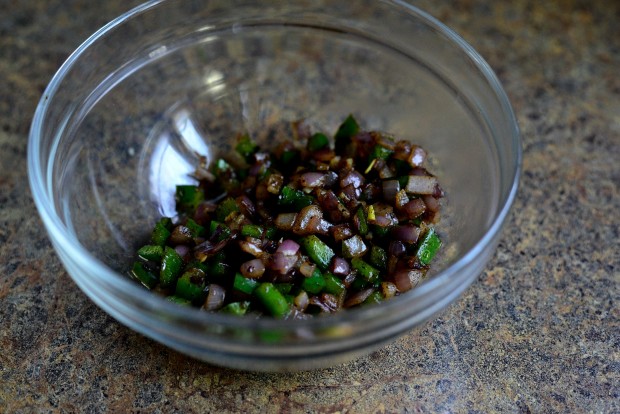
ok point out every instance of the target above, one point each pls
(121, 122)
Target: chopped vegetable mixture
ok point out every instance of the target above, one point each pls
(309, 228)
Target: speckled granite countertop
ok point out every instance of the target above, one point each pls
(538, 332)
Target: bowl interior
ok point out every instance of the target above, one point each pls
(138, 133)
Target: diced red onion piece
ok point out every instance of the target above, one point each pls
(308, 220)
(202, 174)
(323, 154)
(386, 141)
(383, 169)
(301, 301)
(307, 269)
(414, 208)
(255, 169)
(358, 297)
(353, 178)
(339, 266)
(340, 232)
(246, 206)
(311, 179)
(330, 301)
(407, 233)
(391, 264)
(351, 192)
(284, 221)
(181, 235)
(349, 279)
(282, 263)
(202, 213)
(396, 248)
(384, 215)
(390, 189)
(402, 150)
(406, 279)
(388, 289)
(417, 156)
(372, 192)
(215, 298)
(254, 268)
(421, 184)
(354, 247)
(324, 227)
(274, 183)
(432, 204)
(207, 249)
(335, 209)
(250, 248)
(261, 192)
(326, 302)
(364, 142)
(401, 199)
(182, 250)
(330, 179)
(288, 247)
(263, 157)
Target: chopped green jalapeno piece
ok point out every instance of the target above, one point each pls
(246, 147)
(347, 130)
(226, 208)
(146, 277)
(374, 298)
(191, 285)
(236, 308)
(244, 284)
(170, 267)
(196, 229)
(252, 230)
(196, 264)
(161, 231)
(289, 160)
(319, 252)
(189, 196)
(360, 221)
(378, 257)
(284, 288)
(222, 231)
(381, 231)
(365, 270)
(317, 141)
(271, 298)
(152, 253)
(218, 267)
(313, 284)
(221, 167)
(429, 245)
(379, 151)
(291, 197)
(242, 173)
(402, 168)
(359, 283)
(178, 300)
(333, 285)
(256, 231)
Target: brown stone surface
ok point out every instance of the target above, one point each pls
(538, 332)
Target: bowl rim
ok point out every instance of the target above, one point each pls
(59, 233)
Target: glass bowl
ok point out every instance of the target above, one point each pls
(123, 120)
